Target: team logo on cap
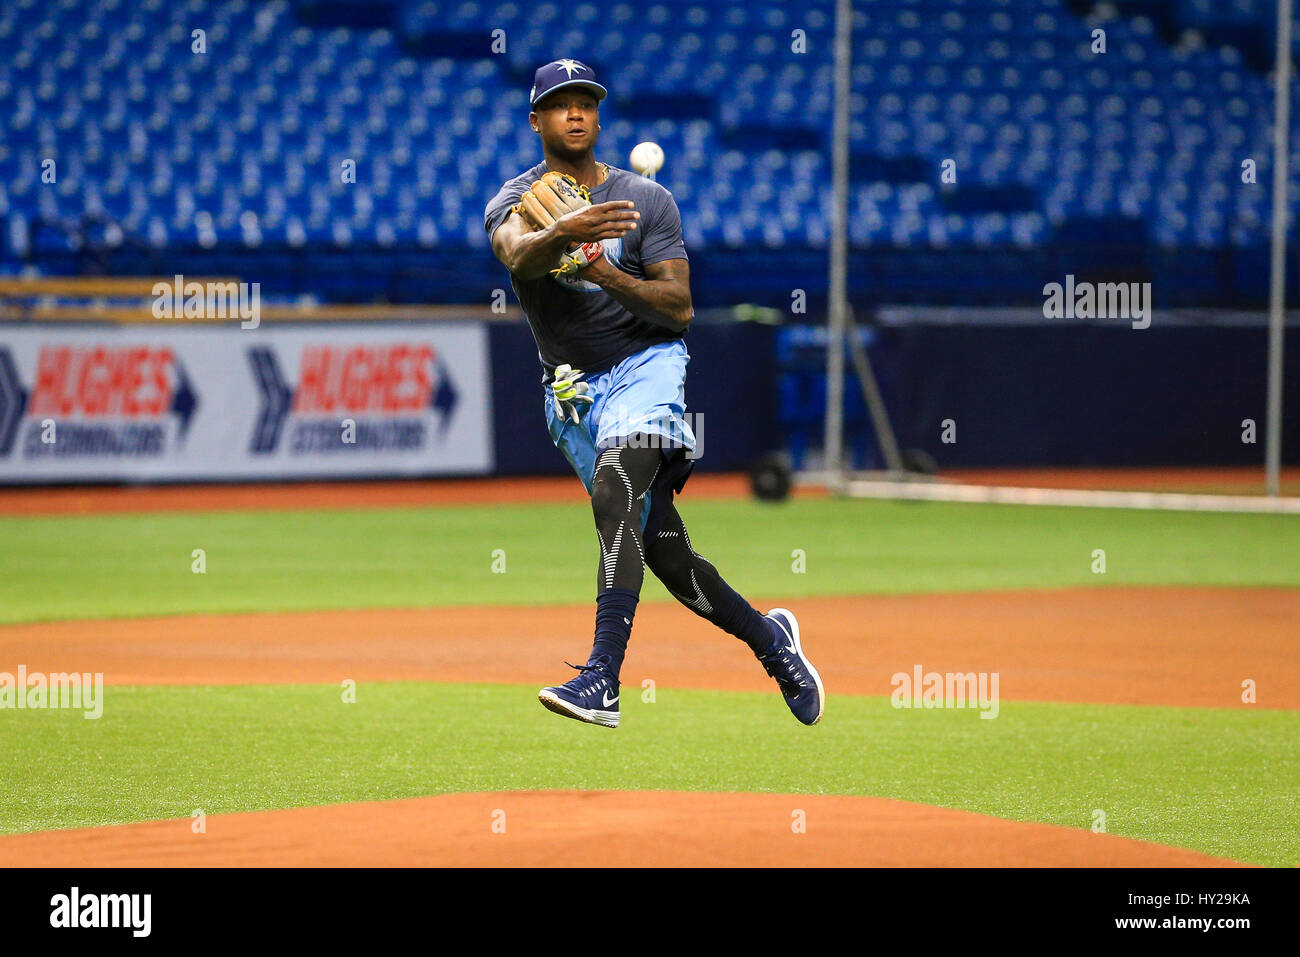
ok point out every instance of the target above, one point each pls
(570, 67)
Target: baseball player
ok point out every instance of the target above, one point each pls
(596, 258)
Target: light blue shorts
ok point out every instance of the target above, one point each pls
(646, 394)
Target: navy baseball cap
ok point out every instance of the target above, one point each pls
(560, 73)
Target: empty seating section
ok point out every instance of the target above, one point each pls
(249, 144)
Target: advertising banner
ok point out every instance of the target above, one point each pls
(149, 402)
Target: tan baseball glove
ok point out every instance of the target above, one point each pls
(549, 198)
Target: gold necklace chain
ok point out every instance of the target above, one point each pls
(604, 172)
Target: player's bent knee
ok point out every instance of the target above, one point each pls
(668, 566)
(609, 495)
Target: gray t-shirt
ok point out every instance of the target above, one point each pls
(576, 321)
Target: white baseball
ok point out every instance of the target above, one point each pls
(647, 158)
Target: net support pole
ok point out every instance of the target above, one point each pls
(1277, 277)
(833, 445)
(875, 401)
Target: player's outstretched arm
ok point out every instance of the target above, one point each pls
(525, 252)
(663, 298)
(530, 254)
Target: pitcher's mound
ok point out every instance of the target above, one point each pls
(597, 828)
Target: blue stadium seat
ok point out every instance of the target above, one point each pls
(243, 143)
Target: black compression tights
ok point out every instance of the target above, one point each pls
(691, 578)
(622, 478)
(618, 487)
(694, 582)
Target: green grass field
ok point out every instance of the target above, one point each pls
(1222, 782)
(114, 565)
(1219, 781)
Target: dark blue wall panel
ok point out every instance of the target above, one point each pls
(1087, 395)
(1083, 395)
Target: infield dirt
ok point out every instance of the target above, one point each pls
(630, 828)
(1146, 646)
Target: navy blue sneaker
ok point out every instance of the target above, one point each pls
(800, 684)
(592, 696)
